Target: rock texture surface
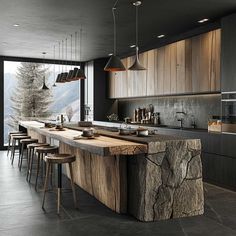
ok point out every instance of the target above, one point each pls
(167, 184)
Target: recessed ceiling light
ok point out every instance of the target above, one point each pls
(132, 46)
(16, 25)
(110, 54)
(203, 20)
(161, 36)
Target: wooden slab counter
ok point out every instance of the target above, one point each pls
(158, 178)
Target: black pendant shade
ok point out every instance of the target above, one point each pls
(80, 74)
(44, 85)
(114, 64)
(69, 77)
(73, 78)
(58, 78)
(137, 65)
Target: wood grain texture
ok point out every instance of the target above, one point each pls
(151, 70)
(181, 65)
(102, 145)
(160, 71)
(187, 66)
(104, 177)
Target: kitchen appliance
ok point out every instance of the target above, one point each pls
(228, 107)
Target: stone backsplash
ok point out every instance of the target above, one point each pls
(201, 107)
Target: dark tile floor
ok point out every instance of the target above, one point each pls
(21, 213)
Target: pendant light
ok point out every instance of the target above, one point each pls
(44, 79)
(54, 66)
(80, 73)
(69, 77)
(137, 65)
(59, 55)
(74, 78)
(114, 63)
(64, 74)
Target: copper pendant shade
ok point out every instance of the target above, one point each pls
(114, 63)
(137, 65)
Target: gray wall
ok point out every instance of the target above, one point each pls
(199, 106)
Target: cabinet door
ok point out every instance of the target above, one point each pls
(188, 66)
(206, 62)
(151, 68)
(173, 68)
(159, 73)
(130, 77)
(167, 70)
(141, 76)
(121, 82)
(181, 67)
(111, 82)
(228, 80)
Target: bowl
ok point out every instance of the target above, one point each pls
(88, 133)
(141, 131)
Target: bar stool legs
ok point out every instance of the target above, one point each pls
(72, 184)
(59, 159)
(48, 165)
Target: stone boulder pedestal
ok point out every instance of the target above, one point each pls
(166, 184)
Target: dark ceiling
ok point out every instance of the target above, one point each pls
(43, 23)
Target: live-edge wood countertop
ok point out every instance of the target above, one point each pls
(102, 145)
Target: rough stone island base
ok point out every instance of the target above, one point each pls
(167, 184)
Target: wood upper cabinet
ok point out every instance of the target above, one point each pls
(206, 62)
(187, 66)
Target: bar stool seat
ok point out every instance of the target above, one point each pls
(59, 159)
(31, 152)
(24, 143)
(9, 139)
(41, 152)
(16, 139)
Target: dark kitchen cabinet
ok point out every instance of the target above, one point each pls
(228, 54)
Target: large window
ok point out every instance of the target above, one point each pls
(25, 99)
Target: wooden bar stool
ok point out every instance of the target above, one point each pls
(31, 153)
(59, 159)
(41, 152)
(16, 144)
(24, 143)
(9, 139)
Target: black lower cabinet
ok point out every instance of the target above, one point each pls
(218, 155)
(219, 170)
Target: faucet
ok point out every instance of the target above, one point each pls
(180, 117)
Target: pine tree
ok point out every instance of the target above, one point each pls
(29, 101)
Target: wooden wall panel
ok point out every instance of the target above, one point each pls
(173, 68)
(159, 75)
(188, 66)
(181, 65)
(167, 69)
(151, 70)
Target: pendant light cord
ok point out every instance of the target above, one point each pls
(114, 26)
(71, 50)
(136, 30)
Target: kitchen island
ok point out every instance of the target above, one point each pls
(152, 178)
